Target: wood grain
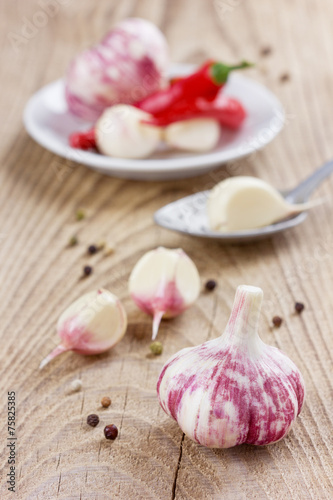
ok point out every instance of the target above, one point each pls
(58, 455)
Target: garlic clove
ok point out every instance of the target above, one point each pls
(242, 202)
(92, 324)
(120, 132)
(164, 283)
(198, 134)
(234, 389)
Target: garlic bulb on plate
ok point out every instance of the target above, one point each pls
(242, 202)
(90, 325)
(163, 283)
(128, 64)
(234, 389)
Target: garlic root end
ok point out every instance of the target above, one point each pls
(56, 352)
(158, 315)
(302, 207)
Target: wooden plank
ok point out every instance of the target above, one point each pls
(58, 456)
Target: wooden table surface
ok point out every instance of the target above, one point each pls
(58, 455)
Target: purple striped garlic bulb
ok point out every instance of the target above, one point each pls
(92, 324)
(163, 283)
(234, 389)
(126, 66)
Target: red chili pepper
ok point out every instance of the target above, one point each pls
(205, 83)
(83, 140)
(227, 111)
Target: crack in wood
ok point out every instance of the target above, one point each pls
(174, 486)
(59, 484)
(122, 417)
(211, 326)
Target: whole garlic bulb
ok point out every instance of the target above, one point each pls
(128, 64)
(163, 283)
(90, 325)
(234, 389)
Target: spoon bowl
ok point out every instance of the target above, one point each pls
(188, 215)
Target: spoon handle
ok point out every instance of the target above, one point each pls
(305, 188)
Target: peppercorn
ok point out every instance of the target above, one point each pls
(101, 244)
(265, 51)
(93, 420)
(80, 214)
(210, 285)
(109, 250)
(156, 348)
(277, 321)
(73, 241)
(299, 307)
(92, 249)
(284, 77)
(110, 432)
(75, 386)
(106, 401)
(87, 270)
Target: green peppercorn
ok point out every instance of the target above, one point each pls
(156, 348)
(80, 214)
(73, 241)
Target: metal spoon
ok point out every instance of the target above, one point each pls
(188, 215)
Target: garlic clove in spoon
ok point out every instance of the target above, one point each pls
(163, 283)
(234, 389)
(243, 202)
(92, 324)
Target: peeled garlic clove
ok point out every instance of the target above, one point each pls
(234, 389)
(240, 203)
(198, 134)
(120, 132)
(164, 283)
(92, 324)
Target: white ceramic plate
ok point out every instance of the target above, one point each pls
(48, 121)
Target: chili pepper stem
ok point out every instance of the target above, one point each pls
(56, 351)
(220, 71)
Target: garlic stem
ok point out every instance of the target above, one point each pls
(242, 327)
(56, 352)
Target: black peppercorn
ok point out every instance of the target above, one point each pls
(111, 432)
(92, 249)
(284, 77)
(277, 321)
(266, 51)
(87, 270)
(93, 420)
(210, 285)
(299, 307)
